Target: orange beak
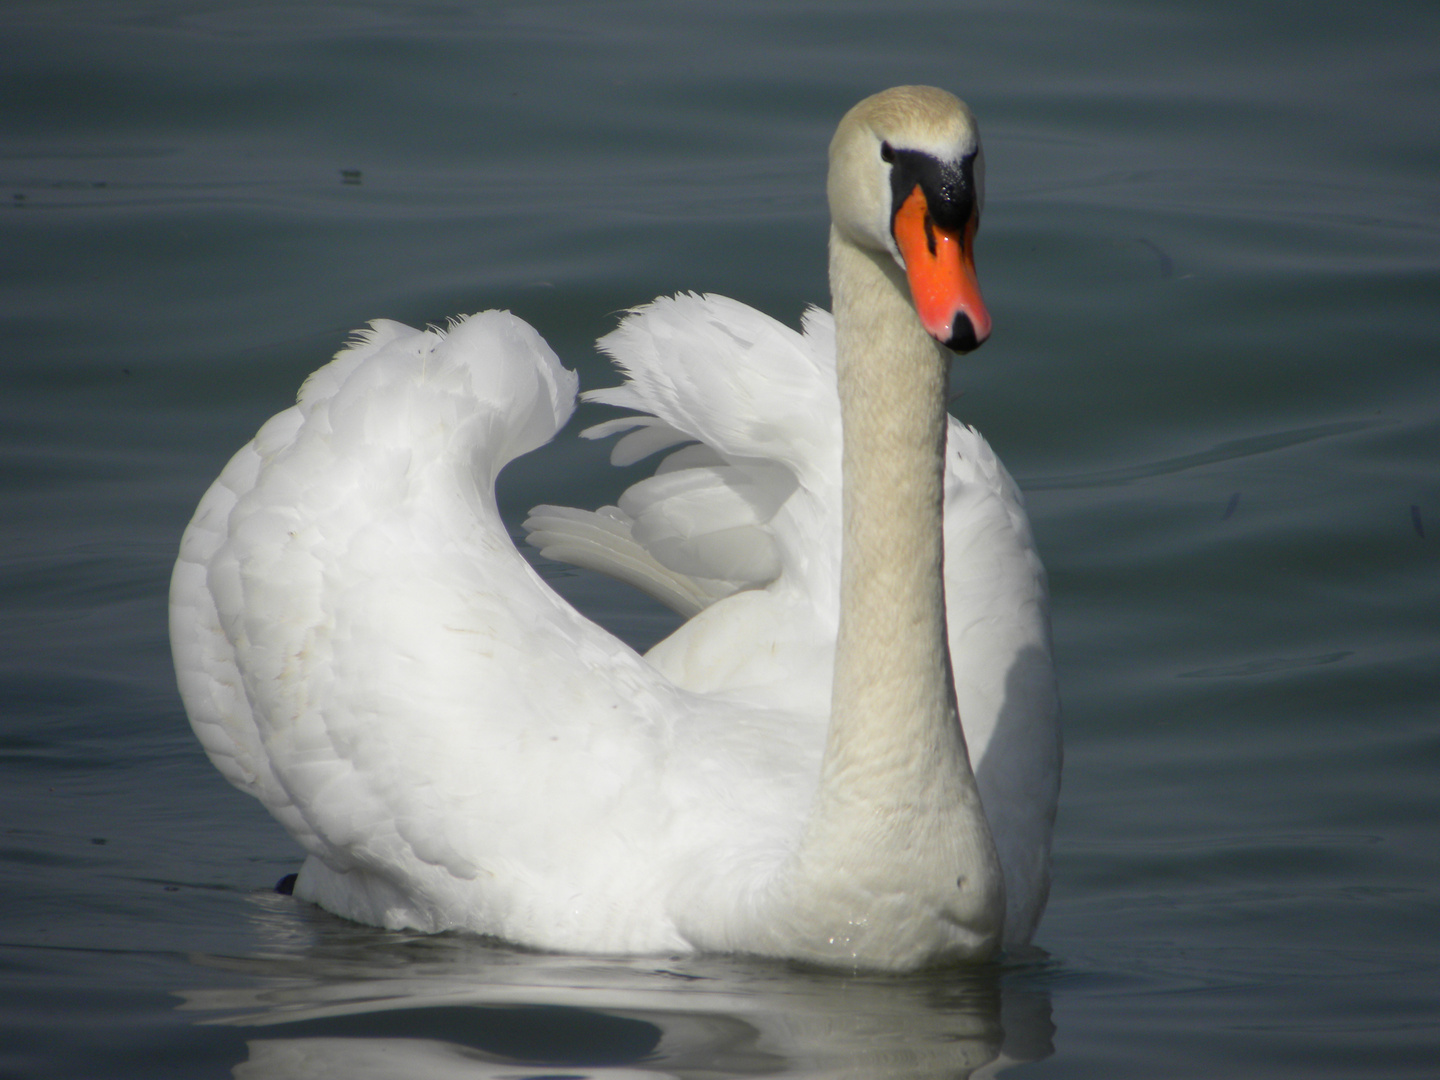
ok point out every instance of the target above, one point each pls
(941, 269)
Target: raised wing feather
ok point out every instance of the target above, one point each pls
(752, 491)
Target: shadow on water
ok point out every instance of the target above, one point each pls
(326, 998)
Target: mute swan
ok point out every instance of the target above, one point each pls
(360, 646)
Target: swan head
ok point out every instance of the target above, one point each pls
(907, 178)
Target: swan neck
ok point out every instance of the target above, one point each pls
(893, 684)
(897, 812)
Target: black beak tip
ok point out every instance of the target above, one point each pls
(962, 335)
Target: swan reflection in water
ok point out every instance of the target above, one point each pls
(327, 998)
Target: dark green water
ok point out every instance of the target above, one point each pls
(1212, 252)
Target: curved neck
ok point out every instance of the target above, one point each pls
(897, 813)
(894, 698)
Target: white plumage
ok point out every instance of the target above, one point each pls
(361, 647)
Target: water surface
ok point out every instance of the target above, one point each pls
(1210, 248)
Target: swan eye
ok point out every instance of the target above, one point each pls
(887, 152)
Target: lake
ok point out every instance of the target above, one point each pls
(1212, 253)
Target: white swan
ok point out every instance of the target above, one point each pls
(361, 647)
